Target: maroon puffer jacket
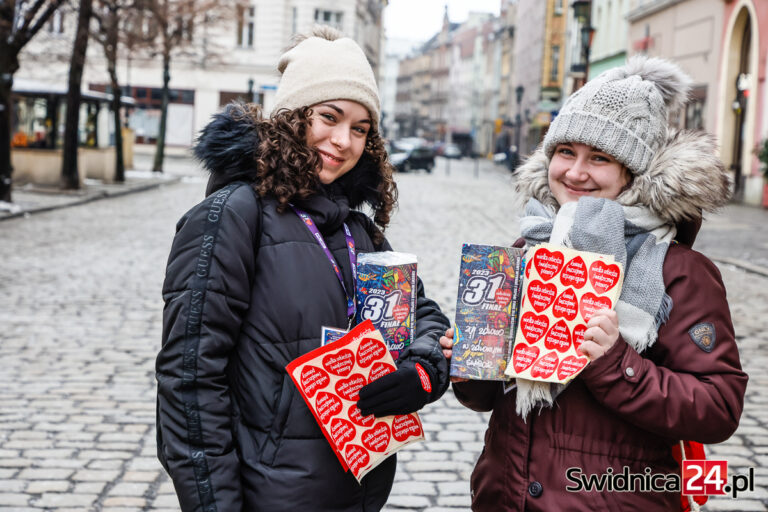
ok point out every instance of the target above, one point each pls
(625, 409)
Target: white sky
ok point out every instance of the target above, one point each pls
(418, 20)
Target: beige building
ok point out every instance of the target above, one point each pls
(413, 91)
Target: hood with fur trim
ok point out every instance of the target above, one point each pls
(685, 178)
(228, 145)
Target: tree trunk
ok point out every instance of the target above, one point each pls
(160, 148)
(6, 169)
(69, 175)
(119, 162)
(110, 52)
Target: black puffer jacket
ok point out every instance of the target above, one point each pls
(247, 290)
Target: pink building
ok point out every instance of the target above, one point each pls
(742, 120)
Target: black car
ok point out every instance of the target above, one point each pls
(406, 158)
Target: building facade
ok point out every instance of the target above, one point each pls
(740, 105)
(687, 33)
(609, 45)
(235, 57)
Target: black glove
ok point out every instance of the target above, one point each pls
(400, 392)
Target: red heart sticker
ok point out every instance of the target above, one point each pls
(533, 326)
(503, 297)
(339, 363)
(406, 426)
(603, 276)
(570, 366)
(357, 458)
(541, 295)
(547, 263)
(565, 305)
(379, 370)
(590, 303)
(376, 439)
(528, 269)
(342, 431)
(327, 405)
(424, 377)
(545, 366)
(358, 419)
(348, 388)
(370, 349)
(523, 356)
(574, 273)
(401, 312)
(578, 335)
(312, 379)
(558, 338)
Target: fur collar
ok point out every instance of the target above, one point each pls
(227, 148)
(684, 179)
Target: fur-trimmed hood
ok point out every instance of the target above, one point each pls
(684, 179)
(228, 145)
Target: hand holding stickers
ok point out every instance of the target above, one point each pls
(563, 289)
(329, 379)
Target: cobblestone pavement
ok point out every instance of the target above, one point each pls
(80, 311)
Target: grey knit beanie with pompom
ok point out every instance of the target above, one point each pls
(322, 66)
(623, 111)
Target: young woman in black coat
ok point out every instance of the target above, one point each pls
(248, 287)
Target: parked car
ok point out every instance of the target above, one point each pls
(406, 157)
(451, 151)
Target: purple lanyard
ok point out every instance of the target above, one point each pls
(352, 257)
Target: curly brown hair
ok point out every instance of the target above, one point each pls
(283, 159)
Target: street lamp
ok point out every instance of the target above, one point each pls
(519, 90)
(582, 11)
(587, 33)
(250, 90)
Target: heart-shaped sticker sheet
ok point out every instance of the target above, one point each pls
(329, 379)
(489, 280)
(562, 289)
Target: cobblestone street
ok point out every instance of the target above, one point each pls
(80, 322)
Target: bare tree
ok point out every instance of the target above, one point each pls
(69, 175)
(20, 20)
(108, 34)
(175, 22)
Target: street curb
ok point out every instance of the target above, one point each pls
(104, 194)
(743, 265)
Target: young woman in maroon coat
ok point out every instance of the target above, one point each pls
(664, 366)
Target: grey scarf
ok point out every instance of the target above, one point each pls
(636, 238)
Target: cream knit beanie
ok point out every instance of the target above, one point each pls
(623, 111)
(326, 66)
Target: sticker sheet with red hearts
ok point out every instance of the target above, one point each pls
(329, 379)
(562, 289)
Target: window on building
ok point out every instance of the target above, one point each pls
(554, 64)
(332, 18)
(29, 123)
(246, 25)
(695, 109)
(558, 7)
(56, 23)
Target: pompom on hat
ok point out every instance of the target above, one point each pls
(623, 111)
(325, 66)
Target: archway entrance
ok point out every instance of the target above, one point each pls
(739, 99)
